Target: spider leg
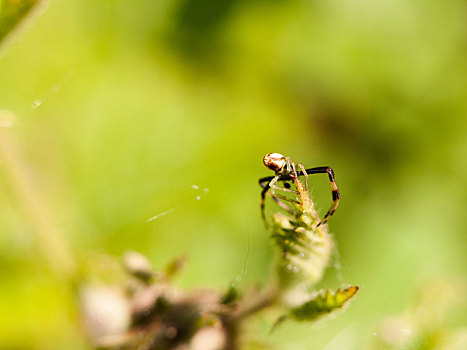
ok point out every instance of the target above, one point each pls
(303, 170)
(288, 164)
(334, 190)
(277, 198)
(262, 204)
(265, 184)
(273, 182)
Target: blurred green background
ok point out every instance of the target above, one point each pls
(120, 107)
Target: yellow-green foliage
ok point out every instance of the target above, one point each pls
(114, 125)
(322, 303)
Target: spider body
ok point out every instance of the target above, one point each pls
(285, 170)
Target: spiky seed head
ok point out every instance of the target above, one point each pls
(274, 161)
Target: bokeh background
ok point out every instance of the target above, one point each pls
(116, 111)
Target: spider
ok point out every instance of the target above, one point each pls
(285, 171)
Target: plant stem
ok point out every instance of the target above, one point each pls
(50, 238)
(247, 307)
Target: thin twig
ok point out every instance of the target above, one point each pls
(247, 307)
(256, 303)
(50, 238)
(35, 11)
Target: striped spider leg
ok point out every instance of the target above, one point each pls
(336, 197)
(285, 171)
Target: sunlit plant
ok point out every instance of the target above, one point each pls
(158, 315)
(150, 312)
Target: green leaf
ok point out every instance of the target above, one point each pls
(230, 296)
(323, 303)
(175, 267)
